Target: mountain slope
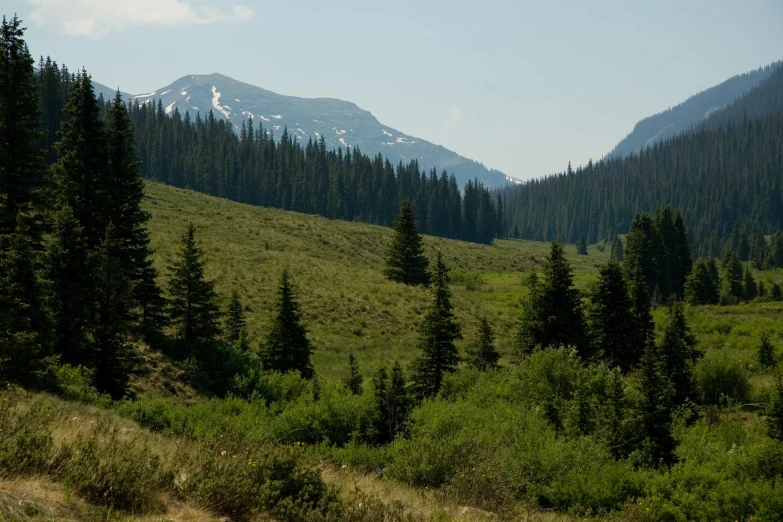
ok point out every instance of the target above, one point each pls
(341, 124)
(108, 92)
(693, 111)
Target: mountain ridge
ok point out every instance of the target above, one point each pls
(341, 123)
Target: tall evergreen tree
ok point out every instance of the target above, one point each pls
(71, 289)
(733, 289)
(150, 300)
(193, 305)
(581, 246)
(644, 327)
(678, 354)
(405, 261)
(749, 287)
(235, 319)
(287, 347)
(114, 359)
(642, 249)
(437, 336)
(354, 380)
(610, 318)
(392, 403)
(482, 354)
(552, 314)
(617, 249)
(766, 352)
(702, 286)
(654, 410)
(21, 157)
(775, 411)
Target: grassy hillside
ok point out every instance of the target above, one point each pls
(338, 270)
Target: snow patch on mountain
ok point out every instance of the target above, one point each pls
(170, 107)
(145, 95)
(216, 102)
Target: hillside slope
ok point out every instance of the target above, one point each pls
(341, 124)
(691, 112)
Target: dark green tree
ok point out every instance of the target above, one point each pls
(677, 350)
(610, 319)
(643, 249)
(702, 287)
(405, 261)
(581, 246)
(654, 411)
(235, 319)
(71, 293)
(393, 404)
(644, 326)
(775, 293)
(682, 262)
(287, 347)
(482, 354)
(149, 298)
(354, 380)
(193, 305)
(749, 288)
(766, 352)
(775, 257)
(516, 232)
(614, 425)
(617, 249)
(437, 336)
(733, 289)
(114, 357)
(552, 313)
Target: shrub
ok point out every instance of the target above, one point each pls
(25, 437)
(722, 379)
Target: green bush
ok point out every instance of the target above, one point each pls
(471, 280)
(722, 379)
(75, 384)
(109, 470)
(25, 437)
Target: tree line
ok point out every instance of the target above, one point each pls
(253, 166)
(724, 177)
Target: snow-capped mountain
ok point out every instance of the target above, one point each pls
(342, 124)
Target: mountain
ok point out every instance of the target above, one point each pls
(108, 92)
(342, 124)
(690, 113)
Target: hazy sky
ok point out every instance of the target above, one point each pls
(523, 87)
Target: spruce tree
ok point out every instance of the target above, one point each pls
(617, 249)
(643, 249)
(654, 410)
(775, 293)
(393, 403)
(70, 289)
(681, 255)
(516, 232)
(150, 300)
(193, 305)
(354, 380)
(733, 289)
(610, 318)
(702, 286)
(405, 261)
(749, 287)
(437, 336)
(644, 327)
(677, 352)
(287, 347)
(552, 314)
(21, 157)
(113, 355)
(482, 354)
(235, 319)
(613, 421)
(766, 352)
(581, 246)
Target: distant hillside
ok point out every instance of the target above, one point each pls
(108, 92)
(341, 124)
(696, 109)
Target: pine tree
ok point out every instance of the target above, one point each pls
(112, 351)
(82, 164)
(405, 261)
(581, 246)
(681, 255)
(21, 157)
(775, 293)
(678, 354)
(617, 249)
(150, 300)
(749, 288)
(70, 289)
(354, 380)
(610, 318)
(644, 327)
(733, 289)
(193, 305)
(702, 286)
(235, 319)
(516, 232)
(437, 336)
(393, 404)
(775, 411)
(552, 314)
(24, 343)
(654, 410)
(613, 422)
(287, 347)
(482, 354)
(643, 249)
(766, 352)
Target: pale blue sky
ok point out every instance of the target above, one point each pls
(523, 87)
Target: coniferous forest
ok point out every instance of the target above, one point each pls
(169, 355)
